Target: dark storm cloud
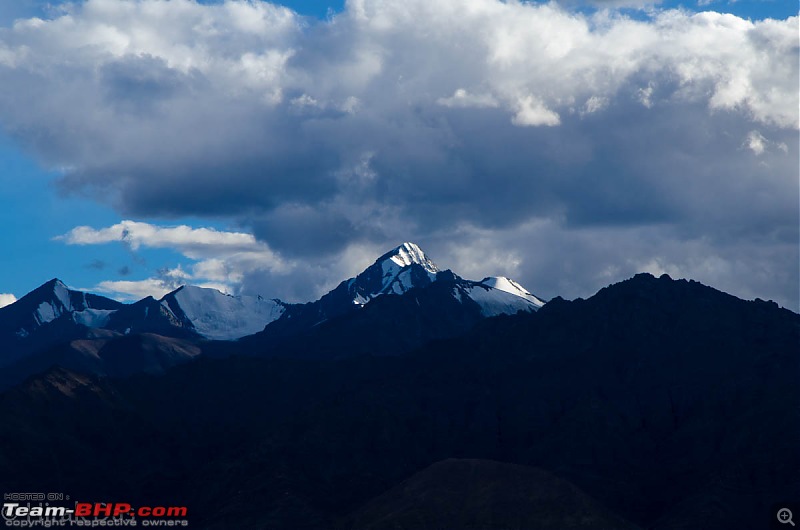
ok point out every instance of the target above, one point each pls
(668, 143)
(138, 84)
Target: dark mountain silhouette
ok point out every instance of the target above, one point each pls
(483, 494)
(105, 353)
(387, 325)
(669, 403)
(149, 315)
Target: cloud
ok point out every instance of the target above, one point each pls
(165, 282)
(533, 112)
(190, 241)
(129, 290)
(745, 267)
(399, 120)
(612, 4)
(219, 258)
(756, 143)
(7, 299)
(462, 98)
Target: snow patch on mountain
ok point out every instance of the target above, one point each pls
(404, 282)
(396, 279)
(497, 296)
(62, 295)
(510, 286)
(396, 269)
(409, 253)
(46, 312)
(220, 316)
(93, 318)
(495, 302)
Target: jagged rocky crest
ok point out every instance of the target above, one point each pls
(195, 311)
(54, 316)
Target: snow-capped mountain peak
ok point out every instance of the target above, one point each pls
(62, 300)
(409, 253)
(56, 301)
(53, 299)
(397, 271)
(406, 267)
(48, 313)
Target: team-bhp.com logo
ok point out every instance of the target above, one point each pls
(33, 510)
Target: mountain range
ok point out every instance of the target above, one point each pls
(55, 325)
(408, 397)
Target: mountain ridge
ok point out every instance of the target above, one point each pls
(657, 398)
(47, 322)
(190, 309)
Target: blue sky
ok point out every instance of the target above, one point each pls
(39, 8)
(752, 9)
(341, 169)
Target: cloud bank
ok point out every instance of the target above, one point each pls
(583, 147)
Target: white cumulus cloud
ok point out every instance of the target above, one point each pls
(7, 299)
(220, 258)
(191, 241)
(129, 290)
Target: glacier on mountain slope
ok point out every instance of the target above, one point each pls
(93, 318)
(508, 285)
(493, 301)
(220, 316)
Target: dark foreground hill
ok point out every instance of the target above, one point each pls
(666, 403)
(485, 494)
